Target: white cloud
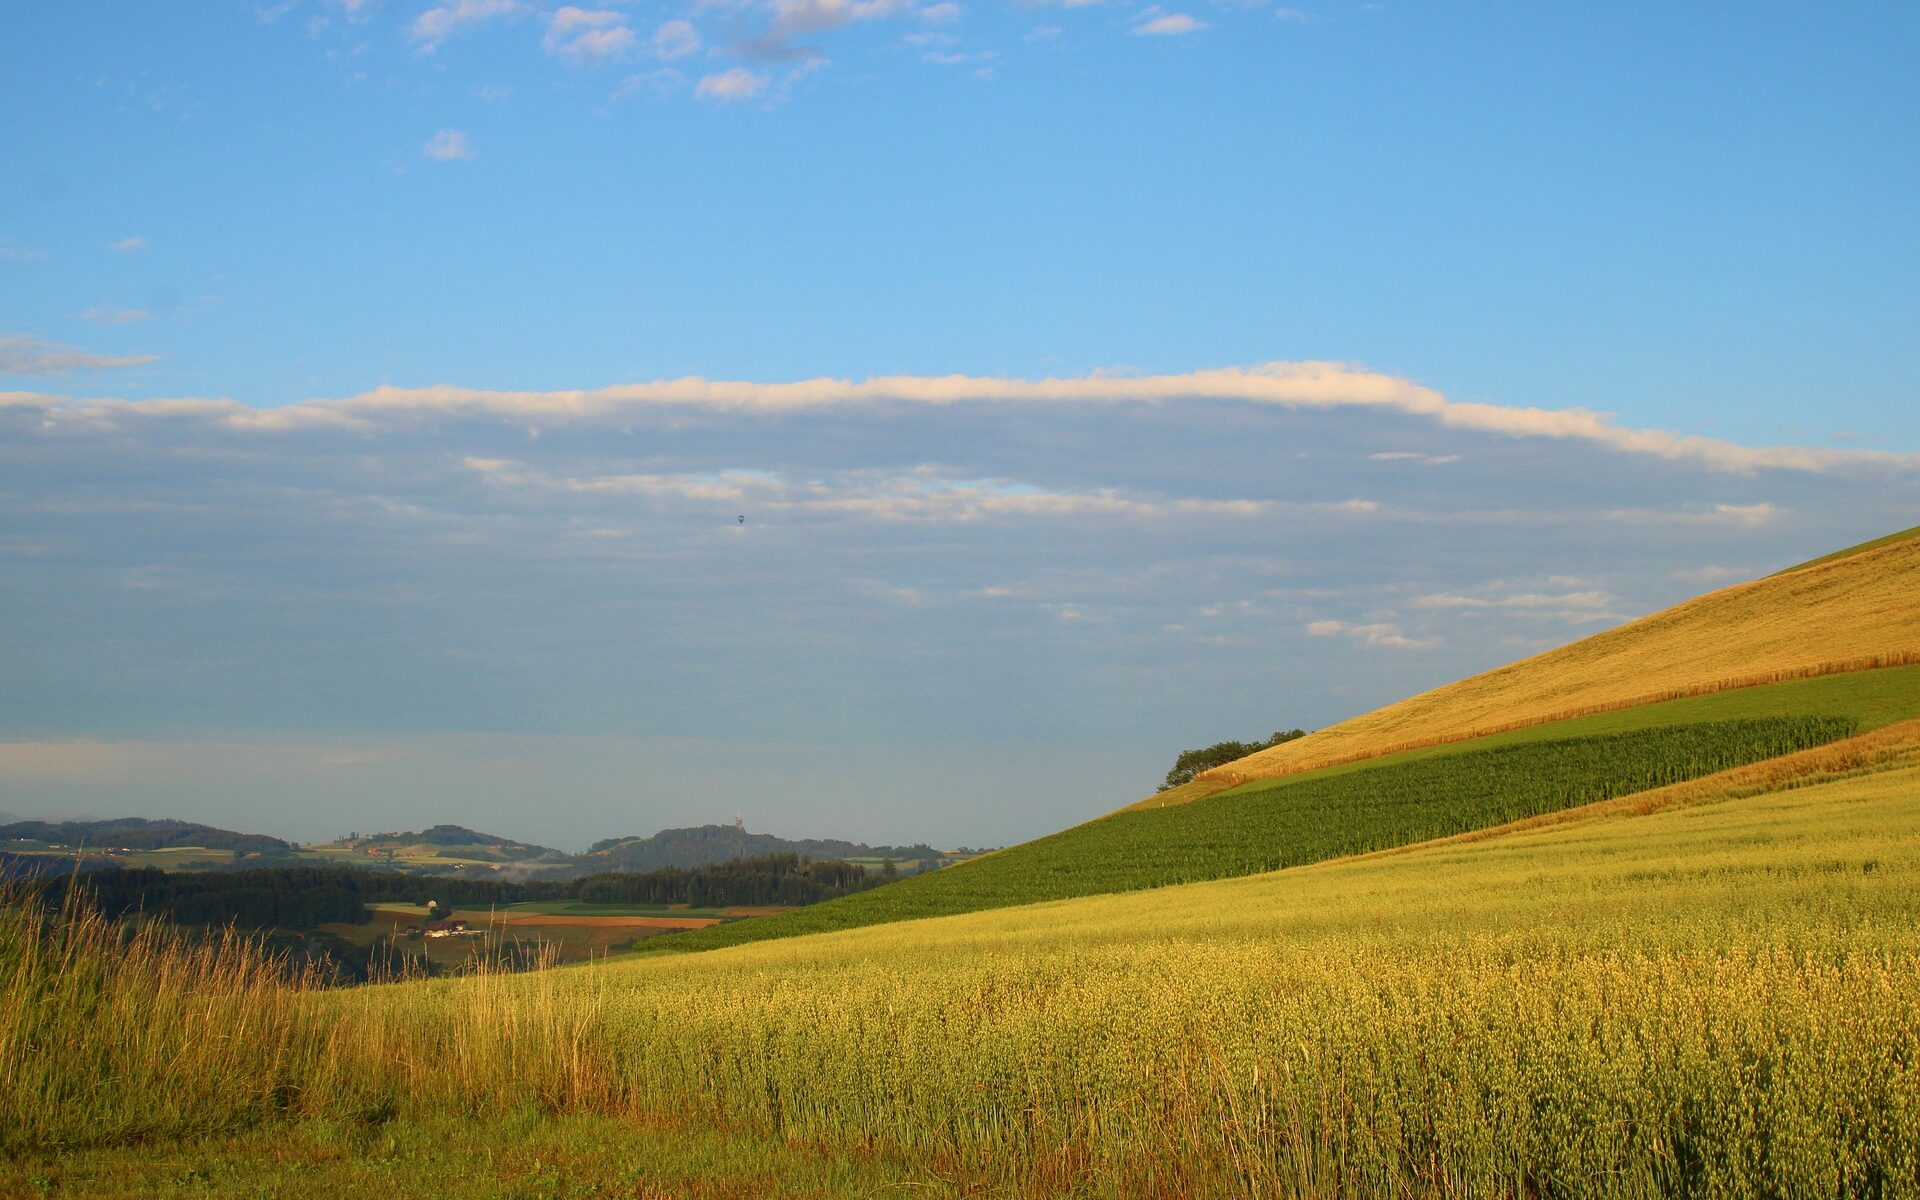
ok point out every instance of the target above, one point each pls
(797, 18)
(731, 86)
(1521, 600)
(661, 82)
(1379, 634)
(948, 58)
(10, 251)
(449, 145)
(128, 245)
(923, 496)
(1711, 574)
(675, 39)
(1154, 23)
(115, 316)
(586, 37)
(1746, 516)
(1307, 385)
(437, 24)
(1043, 33)
(1432, 460)
(26, 354)
(941, 14)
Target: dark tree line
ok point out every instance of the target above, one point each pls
(772, 879)
(1193, 762)
(301, 898)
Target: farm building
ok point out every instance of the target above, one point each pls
(446, 928)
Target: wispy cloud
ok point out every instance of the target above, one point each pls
(1431, 460)
(1568, 607)
(128, 245)
(115, 316)
(660, 83)
(11, 251)
(437, 24)
(1586, 600)
(731, 86)
(798, 18)
(1155, 23)
(1375, 635)
(27, 354)
(448, 145)
(1749, 516)
(921, 495)
(584, 37)
(675, 39)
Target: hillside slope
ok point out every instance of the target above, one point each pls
(1834, 614)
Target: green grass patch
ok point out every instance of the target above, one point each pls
(1306, 819)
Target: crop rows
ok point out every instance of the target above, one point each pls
(1294, 822)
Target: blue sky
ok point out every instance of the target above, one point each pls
(339, 486)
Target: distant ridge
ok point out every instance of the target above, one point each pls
(460, 835)
(138, 833)
(1858, 609)
(702, 845)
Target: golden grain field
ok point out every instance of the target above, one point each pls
(1721, 998)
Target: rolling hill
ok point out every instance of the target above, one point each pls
(1774, 667)
(1853, 610)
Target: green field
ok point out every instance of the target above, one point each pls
(1307, 818)
(168, 858)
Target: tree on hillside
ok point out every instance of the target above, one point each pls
(1192, 762)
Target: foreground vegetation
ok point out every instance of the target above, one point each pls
(1305, 819)
(1721, 999)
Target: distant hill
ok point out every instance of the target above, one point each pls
(138, 833)
(701, 845)
(460, 835)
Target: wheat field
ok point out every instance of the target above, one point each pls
(1719, 998)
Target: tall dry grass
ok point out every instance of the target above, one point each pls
(1716, 1001)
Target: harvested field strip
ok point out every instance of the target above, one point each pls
(559, 919)
(1293, 822)
(1846, 614)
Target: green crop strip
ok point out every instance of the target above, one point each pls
(1295, 822)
